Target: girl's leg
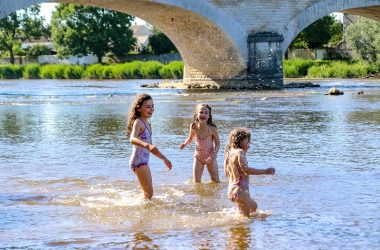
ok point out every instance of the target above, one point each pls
(213, 171)
(145, 179)
(197, 170)
(245, 204)
(253, 205)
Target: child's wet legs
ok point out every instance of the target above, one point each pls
(213, 171)
(197, 171)
(246, 204)
(253, 206)
(145, 179)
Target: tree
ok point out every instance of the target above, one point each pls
(82, 30)
(364, 37)
(19, 26)
(324, 32)
(160, 44)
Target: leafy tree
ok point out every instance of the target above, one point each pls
(81, 30)
(160, 44)
(38, 50)
(19, 26)
(322, 33)
(364, 37)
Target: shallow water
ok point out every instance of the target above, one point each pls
(65, 181)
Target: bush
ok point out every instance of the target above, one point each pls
(11, 71)
(173, 70)
(94, 71)
(32, 71)
(73, 72)
(53, 71)
(150, 70)
(38, 50)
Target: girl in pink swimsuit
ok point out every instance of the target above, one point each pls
(139, 132)
(237, 170)
(203, 131)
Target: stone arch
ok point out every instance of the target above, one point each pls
(317, 11)
(210, 42)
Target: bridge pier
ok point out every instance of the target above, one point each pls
(263, 69)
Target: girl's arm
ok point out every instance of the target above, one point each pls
(154, 150)
(138, 127)
(251, 171)
(216, 141)
(189, 138)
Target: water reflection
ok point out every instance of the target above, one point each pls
(141, 241)
(240, 238)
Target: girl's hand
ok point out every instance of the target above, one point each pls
(168, 164)
(182, 146)
(270, 170)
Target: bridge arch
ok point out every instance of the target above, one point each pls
(199, 30)
(318, 11)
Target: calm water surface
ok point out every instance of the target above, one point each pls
(65, 180)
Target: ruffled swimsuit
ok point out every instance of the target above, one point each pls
(140, 156)
(204, 148)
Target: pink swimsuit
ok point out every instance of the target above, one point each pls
(204, 148)
(140, 156)
(235, 189)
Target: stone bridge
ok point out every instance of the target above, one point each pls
(227, 43)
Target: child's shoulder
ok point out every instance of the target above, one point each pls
(213, 128)
(238, 151)
(138, 122)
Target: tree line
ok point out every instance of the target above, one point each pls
(75, 30)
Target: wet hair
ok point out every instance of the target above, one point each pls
(197, 108)
(235, 138)
(134, 113)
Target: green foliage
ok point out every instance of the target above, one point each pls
(173, 70)
(328, 69)
(73, 72)
(322, 33)
(94, 71)
(19, 26)
(82, 30)
(298, 67)
(38, 50)
(53, 71)
(11, 71)
(131, 70)
(160, 44)
(150, 70)
(32, 71)
(364, 37)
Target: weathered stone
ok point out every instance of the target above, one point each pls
(334, 91)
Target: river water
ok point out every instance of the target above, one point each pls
(65, 180)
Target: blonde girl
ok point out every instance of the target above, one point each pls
(139, 132)
(237, 170)
(205, 134)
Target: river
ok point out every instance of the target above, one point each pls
(65, 180)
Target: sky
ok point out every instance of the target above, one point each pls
(48, 8)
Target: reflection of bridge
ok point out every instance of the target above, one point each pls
(227, 43)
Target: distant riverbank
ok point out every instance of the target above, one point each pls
(295, 68)
(129, 70)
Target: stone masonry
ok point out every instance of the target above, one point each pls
(227, 43)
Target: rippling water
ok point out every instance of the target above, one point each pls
(65, 180)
